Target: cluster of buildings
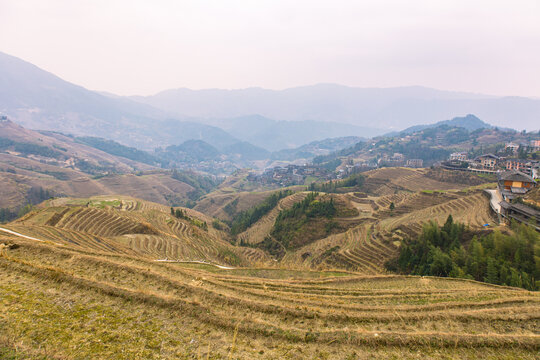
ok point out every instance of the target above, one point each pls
(512, 147)
(291, 175)
(491, 163)
(398, 159)
(496, 163)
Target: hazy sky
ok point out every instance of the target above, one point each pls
(142, 47)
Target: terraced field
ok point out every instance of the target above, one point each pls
(471, 209)
(69, 303)
(127, 226)
(258, 231)
(366, 247)
(387, 181)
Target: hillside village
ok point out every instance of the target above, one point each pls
(523, 157)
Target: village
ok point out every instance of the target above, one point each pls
(512, 157)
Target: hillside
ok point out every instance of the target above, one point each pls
(60, 165)
(533, 197)
(40, 100)
(84, 154)
(428, 143)
(75, 302)
(365, 232)
(81, 278)
(126, 225)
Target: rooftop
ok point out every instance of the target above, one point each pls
(524, 209)
(515, 175)
(491, 156)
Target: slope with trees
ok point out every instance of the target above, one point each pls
(453, 250)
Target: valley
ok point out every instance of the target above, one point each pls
(110, 267)
(315, 222)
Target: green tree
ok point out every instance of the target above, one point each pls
(492, 275)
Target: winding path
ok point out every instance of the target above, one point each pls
(26, 237)
(196, 262)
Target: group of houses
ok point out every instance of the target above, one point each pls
(491, 163)
(494, 163)
(398, 159)
(291, 175)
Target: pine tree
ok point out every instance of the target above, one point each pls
(492, 275)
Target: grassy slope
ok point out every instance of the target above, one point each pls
(157, 187)
(127, 226)
(66, 303)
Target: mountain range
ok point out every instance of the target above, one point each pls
(40, 100)
(375, 108)
(239, 120)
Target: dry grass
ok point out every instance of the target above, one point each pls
(128, 226)
(86, 304)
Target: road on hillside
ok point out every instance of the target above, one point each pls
(25, 236)
(495, 199)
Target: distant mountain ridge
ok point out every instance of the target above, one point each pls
(317, 148)
(40, 100)
(278, 135)
(469, 122)
(286, 119)
(379, 108)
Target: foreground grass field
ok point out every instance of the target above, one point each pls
(64, 302)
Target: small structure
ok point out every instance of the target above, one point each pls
(511, 146)
(514, 183)
(488, 161)
(415, 163)
(459, 156)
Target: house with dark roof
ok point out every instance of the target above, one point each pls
(488, 161)
(521, 213)
(514, 183)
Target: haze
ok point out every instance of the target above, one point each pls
(143, 47)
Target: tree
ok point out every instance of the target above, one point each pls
(392, 206)
(442, 263)
(497, 258)
(492, 275)
(180, 214)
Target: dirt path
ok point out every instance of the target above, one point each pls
(196, 262)
(27, 237)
